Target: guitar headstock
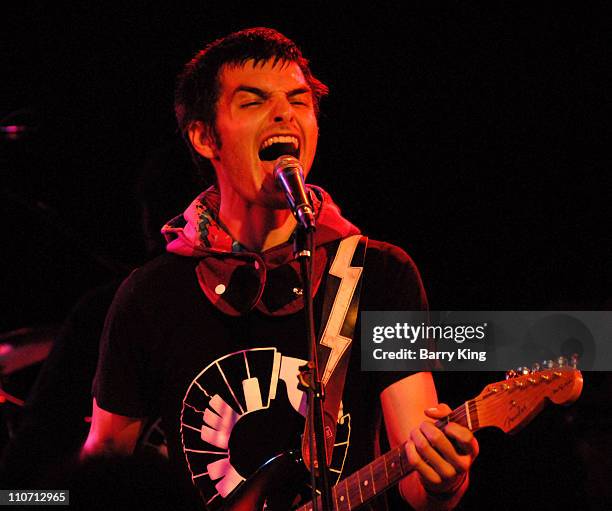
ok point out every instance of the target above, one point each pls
(512, 403)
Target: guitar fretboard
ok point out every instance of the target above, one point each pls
(388, 469)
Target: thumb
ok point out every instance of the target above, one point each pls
(438, 412)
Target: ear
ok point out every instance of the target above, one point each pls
(201, 140)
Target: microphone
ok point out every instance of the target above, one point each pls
(290, 178)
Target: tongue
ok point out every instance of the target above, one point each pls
(277, 150)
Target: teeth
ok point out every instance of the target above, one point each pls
(280, 140)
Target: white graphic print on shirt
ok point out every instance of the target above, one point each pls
(240, 411)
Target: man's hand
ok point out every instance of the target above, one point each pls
(442, 457)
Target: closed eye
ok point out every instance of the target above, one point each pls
(250, 103)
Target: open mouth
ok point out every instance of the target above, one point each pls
(274, 147)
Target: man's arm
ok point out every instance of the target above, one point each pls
(440, 474)
(111, 433)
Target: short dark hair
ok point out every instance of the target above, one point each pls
(198, 87)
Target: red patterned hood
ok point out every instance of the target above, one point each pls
(236, 280)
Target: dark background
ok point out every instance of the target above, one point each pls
(470, 135)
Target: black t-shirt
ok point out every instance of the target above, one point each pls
(225, 387)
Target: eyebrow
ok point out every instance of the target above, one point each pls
(263, 94)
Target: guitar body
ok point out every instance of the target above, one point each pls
(273, 485)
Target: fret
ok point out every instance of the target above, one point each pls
(335, 496)
(380, 477)
(386, 471)
(467, 415)
(342, 500)
(358, 481)
(404, 460)
(353, 490)
(394, 464)
(473, 407)
(367, 488)
(460, 416)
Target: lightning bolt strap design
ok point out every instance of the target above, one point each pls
(349, 275)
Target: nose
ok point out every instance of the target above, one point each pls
(282, 110)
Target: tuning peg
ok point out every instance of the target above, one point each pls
(561, 362)
(510, 374)
(574, 360)
(523, 370)
(535, 368)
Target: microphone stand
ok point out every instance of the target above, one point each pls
(304, 251)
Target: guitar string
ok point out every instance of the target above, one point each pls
(493, 408)
(460, 412)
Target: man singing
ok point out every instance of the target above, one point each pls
(210, 335)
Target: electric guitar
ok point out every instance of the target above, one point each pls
(508, 405)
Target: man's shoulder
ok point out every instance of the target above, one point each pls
(164, 272)
(391, 278)
(164, 265)
(387, 254)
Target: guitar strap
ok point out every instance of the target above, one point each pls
(338, 319)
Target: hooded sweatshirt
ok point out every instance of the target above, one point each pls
(236, 280)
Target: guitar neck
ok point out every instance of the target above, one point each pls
(386, 470)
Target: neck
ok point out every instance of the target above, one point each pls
(256, 227)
